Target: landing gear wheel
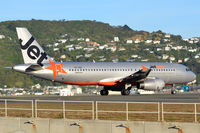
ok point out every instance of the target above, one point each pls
(125, 92)
(104, 92)
(173, 92)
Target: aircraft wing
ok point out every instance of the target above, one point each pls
(139, 75)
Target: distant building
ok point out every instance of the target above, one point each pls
(63, 56)
(81, 39)
(167, 48)
(134, 56)
(70, 48)
(115, 60)
(165, 56)
(186, 59)
(116, 39)
(113, 49)
(129, 41)
(122, 49)
(172, 58)
(62, 40)
(156, 42)
(55, 44)
(167, 35)
(87, 39)
(56, 49)
(148, 41)
(66, 92)
(192, 50)
(137, 41)
(159, 49)
(180, 61)
(145, 60)
(2, 36)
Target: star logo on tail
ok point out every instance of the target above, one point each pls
(56, 68)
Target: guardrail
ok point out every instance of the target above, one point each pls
(101, 110)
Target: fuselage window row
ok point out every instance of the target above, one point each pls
(79, 70)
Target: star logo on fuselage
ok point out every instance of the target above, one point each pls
(56, 68)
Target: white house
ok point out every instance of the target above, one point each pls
(186, 59)
(191, 41)
(55, 49)
(156, 42)
(165, 56)
(87, 39)
(88, 55)
(62, 40)
(78, 47)
(166, 40)
(2, 36)
(134, 56)
(148, 41)
(81, 39)
(192, 50)
(55, 44)
(145, 60)
(70, 48)
(137, 41)
(101, 47)
(159, 49)
(172, 58)
(129, 41)
(167, 35)
(63, 56)
(167, 48)
(122, 49)
(113, 49)
(78, 56)
(116, 39)
(179, 47)
(66, 92)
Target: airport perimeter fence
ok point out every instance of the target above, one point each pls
(101, 110)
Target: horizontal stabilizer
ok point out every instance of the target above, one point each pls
(33, 68)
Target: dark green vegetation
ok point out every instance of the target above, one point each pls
(49, 32)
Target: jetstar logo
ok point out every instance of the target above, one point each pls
(158, 67)
(33, 51)
(56, 68)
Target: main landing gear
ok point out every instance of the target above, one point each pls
(104, 92)
(125, 91)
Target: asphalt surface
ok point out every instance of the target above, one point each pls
(180, 98)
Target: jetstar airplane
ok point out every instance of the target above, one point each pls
(120, 76)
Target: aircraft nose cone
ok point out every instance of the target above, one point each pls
(193, 76)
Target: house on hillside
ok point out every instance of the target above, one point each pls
(165, 56)
(137, 41)
(116, 39)
(156, 42)
(62, 40)
(129, 41)
(2, 36)
(167, 35)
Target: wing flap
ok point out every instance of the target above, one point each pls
(137, 76)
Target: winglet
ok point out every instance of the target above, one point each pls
(143, 68)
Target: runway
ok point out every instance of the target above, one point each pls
(180, 98)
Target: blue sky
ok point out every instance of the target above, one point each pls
(180, 17)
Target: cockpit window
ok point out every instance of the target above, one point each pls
(187, 69)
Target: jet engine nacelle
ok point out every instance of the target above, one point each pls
(152, 84)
